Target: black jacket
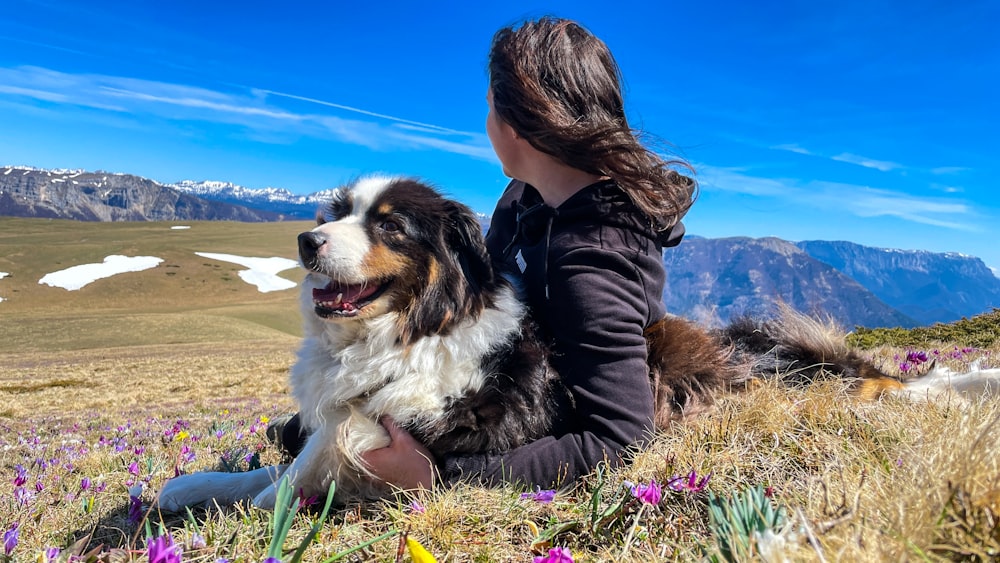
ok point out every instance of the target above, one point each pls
(592, 271)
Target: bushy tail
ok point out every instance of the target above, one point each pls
(798, 350)
(690, 366)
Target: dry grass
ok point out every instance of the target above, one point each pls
(891, 480)
(125, 380)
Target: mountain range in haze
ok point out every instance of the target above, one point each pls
(710, 280)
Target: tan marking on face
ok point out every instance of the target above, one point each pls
(385, 209)
(383, 263)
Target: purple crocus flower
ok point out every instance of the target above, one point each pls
(21, 475)
(85, 483)
(417, 508)
(161, 549)
(134, 509)
(51, 554)
(556, 555)
(10, 539)
(649, 494)
(197, 541)
(691, 483)
(540, 496)
(23, 496)
(916, 358)
(307, 500)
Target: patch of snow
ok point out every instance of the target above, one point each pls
(263, 271)
(9, 170)
(996, 271)
(179, 227)
(2, 276)
(78, 276)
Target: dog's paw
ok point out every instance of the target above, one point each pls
(266, 499)
(181, 492)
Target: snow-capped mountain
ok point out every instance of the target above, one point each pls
(277, 200)
(707, 279)
(104, 196)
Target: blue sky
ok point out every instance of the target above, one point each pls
(874, 122)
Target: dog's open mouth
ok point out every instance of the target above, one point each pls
(345, 300)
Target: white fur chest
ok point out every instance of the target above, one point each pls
(365, 361)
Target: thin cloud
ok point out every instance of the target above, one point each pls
(949, 170)
(858, 200)
(850, 158)
(733, 180)
(425, 126)
(257, 110)
(792, 148)
(33, 93)
(881, 165)
(865, 201)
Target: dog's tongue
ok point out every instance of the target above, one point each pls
(337, 295)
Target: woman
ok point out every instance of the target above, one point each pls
(584, 220)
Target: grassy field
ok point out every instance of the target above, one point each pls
(179, 368)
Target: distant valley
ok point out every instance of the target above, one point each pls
(710, 280)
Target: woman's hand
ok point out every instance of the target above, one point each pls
(404, 463)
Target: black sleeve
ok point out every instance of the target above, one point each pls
(597, 322)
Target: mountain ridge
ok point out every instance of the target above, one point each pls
(711, 280)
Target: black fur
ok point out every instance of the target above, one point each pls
(689, 366)
(516, 406)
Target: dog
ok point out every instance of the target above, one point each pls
(406, 315)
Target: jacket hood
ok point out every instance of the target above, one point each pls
(604, 201)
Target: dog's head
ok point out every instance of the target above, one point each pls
(394, 245)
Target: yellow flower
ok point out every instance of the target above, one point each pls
(418, 553)
(182, 435)
(264, 420)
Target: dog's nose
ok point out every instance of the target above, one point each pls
(309, 244)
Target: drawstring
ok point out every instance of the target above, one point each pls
(545, 263)
(527, 233)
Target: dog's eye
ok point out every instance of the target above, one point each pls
(390, 226)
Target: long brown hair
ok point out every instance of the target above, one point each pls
(559, 87)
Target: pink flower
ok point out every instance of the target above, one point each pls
(10, 539)
(540, 496)
(649, 494)
(690, 484)
(134, 509)
(556, 555)
(21, 477)
(161, 549)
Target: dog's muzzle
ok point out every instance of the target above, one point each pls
(309, 245)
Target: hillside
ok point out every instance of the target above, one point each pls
(101, 196)
(184, 299)
(709, 280)
(928, 286)
(714, 280)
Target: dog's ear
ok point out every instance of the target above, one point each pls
(469, 248)
(463, 282)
